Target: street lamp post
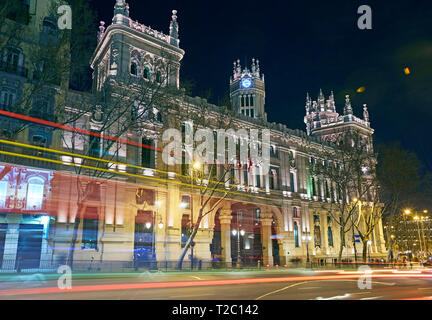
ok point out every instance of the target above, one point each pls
(369, 244)
(160, 225)
(238, 233)
(307, 237)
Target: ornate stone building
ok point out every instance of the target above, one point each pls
(141, 209)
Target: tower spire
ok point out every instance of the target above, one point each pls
(321, 101)
(308, 103)
(174, 29)
(121, 13)
(331, 106)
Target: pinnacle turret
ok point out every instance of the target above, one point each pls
(121, 13)
(174, 29)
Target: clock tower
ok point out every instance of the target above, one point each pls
(247, 90)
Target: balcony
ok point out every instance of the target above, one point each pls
(15, 69)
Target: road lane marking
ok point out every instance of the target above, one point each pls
(293, 285)
(196, 277)
(346, 295)
(370, 298)
(296, 284)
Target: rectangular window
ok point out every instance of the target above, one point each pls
(148, 153)
(94, 145)
(34, 196)
(292, 182)
(258, 177)
(3, 193)
(186, 202)
(232, 176)
(90, 234)
(271, 180)
(313, 187)
(252, 114)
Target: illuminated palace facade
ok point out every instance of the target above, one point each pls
(143, 214)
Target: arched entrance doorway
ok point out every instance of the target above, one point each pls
(246, 244)
(276, 240)
(144, 242)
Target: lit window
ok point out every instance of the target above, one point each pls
(34, 196)
(3, 193)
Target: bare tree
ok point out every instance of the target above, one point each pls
(126, 105)
(211, 179)
(398, 173)
(341, 168)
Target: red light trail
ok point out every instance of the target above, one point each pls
(177, 284)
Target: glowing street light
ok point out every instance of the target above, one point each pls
(369, 243)
(196, 165)
(160, 225)
(238, 234)
(148, 225)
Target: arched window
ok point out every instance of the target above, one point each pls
(146, 73)
(35, 191)
(330, 236)
(49, 26)
(13, 60)
(158, 77)
(133, 68)
(296, 235)
(7, 98)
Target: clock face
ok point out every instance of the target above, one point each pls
(246, 83)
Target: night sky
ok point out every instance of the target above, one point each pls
(307, 45)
